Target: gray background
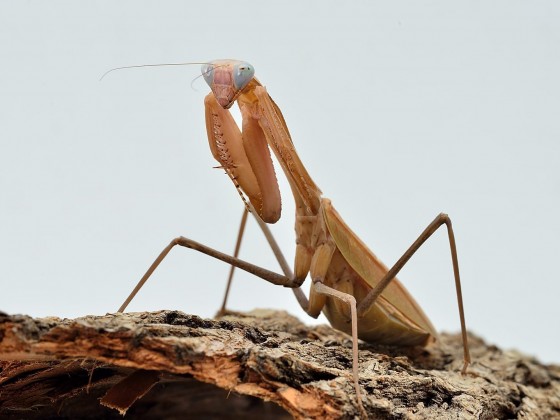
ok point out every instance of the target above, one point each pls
(399, 110)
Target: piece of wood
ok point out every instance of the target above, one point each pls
(263, 364)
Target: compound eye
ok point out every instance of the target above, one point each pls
(207, 71)
(242, 75)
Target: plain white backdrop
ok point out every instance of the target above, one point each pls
(399, 110)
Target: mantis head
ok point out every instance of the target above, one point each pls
(227, 79)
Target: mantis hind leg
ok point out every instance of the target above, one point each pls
(441, 219)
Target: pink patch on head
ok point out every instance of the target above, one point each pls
(223, 86)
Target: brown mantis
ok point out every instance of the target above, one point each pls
(357, 293)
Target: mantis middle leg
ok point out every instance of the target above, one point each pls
(321, 289)
(263, 273)
(299, 294)
(223, 310)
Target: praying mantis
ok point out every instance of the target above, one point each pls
(357, 293)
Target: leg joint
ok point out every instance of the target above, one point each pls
(443, 218)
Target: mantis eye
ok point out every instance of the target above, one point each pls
(207, 71)
(242, 75)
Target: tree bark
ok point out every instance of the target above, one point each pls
(263, 364)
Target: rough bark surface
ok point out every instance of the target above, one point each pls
(262, 364)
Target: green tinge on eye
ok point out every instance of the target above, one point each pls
(242, 74)
(207, 71)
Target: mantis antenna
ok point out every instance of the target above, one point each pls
(152, 65)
